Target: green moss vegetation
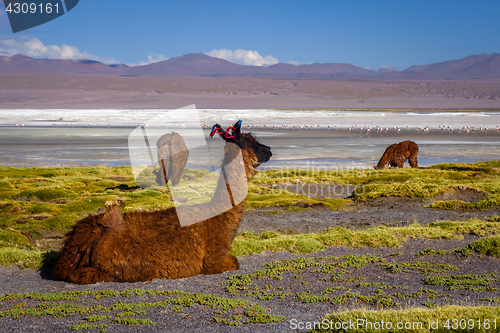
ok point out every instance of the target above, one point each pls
(259, 284)
(487, 245)
(422, 266)
(333, 279)
(371, 184)
(451, 318)
(248, 243)
(429, 252)
(125, 312)
(466, 282)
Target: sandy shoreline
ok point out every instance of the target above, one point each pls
(110, 92)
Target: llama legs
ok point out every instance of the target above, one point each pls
(413, 161)
(89, 275)
(230, 263)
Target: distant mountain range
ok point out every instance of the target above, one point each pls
(479, 66)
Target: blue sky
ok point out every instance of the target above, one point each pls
(372, 33)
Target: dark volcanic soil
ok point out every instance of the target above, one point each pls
(382, 211)
(387, 211)
(197, 317)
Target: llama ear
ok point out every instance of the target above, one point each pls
(238, 138)
(216, 129)
(112, 217)
(237, 125)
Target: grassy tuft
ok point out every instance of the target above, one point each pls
(488, 245)
(417, 319)
(22, 258)
(247, 243)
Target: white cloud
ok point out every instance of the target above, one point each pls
(152, 58)
(33, 47)
(155, 57)
(297, 63)
(244, 57)
(367, 67)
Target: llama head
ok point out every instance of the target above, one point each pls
(254, 153)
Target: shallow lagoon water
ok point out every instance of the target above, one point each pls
(100, 137)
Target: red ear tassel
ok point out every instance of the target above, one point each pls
(227, 133)
(215, 131)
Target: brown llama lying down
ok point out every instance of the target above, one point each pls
(397, 154)
(141, 246)
(172, 158)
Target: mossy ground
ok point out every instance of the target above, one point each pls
(228, 311)
(370, 184)
(378, 282)
(37, 201)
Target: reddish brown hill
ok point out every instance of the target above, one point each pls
(23, 64)
(479, 66)
(317, 70)
(201, 65)
(195, 64)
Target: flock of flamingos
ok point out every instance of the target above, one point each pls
(366, 128)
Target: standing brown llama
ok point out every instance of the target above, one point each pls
(397, 154)
(172, 158)
(141, 246)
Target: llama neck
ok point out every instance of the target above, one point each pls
(232, 183)
(229, 196)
